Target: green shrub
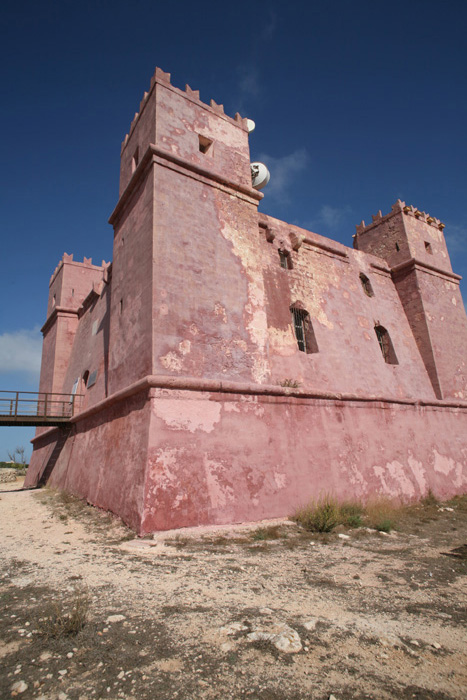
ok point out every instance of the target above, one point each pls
(351, 513)
(321, 516)
(384, 525)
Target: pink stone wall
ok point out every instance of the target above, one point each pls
(90, 351)
(443, 306)
(223, 459)
(326, 280)
(208, 305)
(130, 352)
(186, 457)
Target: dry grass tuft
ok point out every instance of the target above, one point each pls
(271, 532)
(65, 618)
(325, 514)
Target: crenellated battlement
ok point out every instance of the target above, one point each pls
(397, 207)
(87, 263)
(164, 78)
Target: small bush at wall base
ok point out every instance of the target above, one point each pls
(385, 525)
(322, 516)
(326, 514)
(351, 513)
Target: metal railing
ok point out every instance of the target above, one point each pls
(30, 405)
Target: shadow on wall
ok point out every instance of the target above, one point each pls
(49, 463)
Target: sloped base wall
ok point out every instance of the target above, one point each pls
(183, 458)
(103, 460)
(224, 459)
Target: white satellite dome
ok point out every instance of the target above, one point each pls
(259, 175)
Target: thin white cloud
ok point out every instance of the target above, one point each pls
(328, 218)
(249, 82)
(332, 217)
(269, 27)
(283, 171)
(20, 351)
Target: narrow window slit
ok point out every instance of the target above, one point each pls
(366, 284)
(135, 160)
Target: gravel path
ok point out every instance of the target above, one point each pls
(261, 611)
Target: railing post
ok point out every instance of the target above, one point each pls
(45, 406)
(16, 404)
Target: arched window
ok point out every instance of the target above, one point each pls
(303, 328)
(366, 284)
(386, 346)
(85, 378)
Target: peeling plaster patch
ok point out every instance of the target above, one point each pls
(249, 405)
(394, 471)
(280, 479)
(256, 326)
(231, 407)
(282, 341)
(185, 347)
(194, 329)
(219, 310)
(419, 473)
(443, 464)
(188, 415)
(454, 301)
(163, 310)
(446, 465)
(323, 280)
(172, 362)
(219, 493)
(160, 469)
(367, 336)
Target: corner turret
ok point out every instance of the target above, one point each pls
(413, 244)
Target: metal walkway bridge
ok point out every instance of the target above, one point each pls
(37, 408)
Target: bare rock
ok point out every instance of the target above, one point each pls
(19, 687)
(115, 618)
(286, 639)
(233, 628)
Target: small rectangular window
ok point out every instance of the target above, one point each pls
(285, 260)
(92, 379)
(428, 248)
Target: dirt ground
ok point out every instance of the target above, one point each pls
(265, 611)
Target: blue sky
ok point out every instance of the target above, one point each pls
(356, 104)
